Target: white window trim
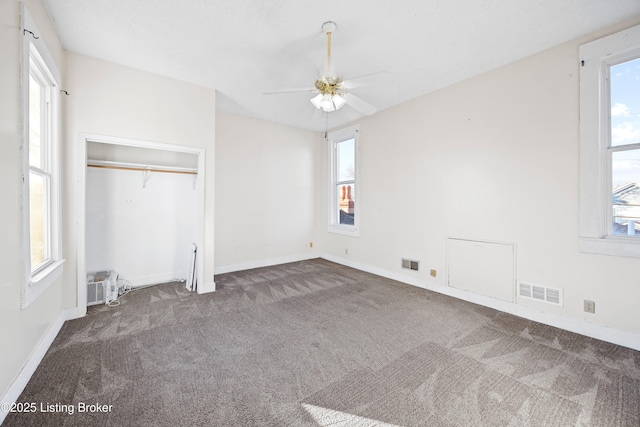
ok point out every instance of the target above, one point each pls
(37, 282)
(595, 167)
(333, 138)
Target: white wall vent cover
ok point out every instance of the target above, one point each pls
(540, 293)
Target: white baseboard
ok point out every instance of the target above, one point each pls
(34, 360)
(374, 270)
(247, 265)
(154, 279)
(579, 326)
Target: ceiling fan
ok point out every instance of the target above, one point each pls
(332, 92)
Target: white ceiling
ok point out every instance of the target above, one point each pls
(243, 48)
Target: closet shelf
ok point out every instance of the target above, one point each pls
(140, 167)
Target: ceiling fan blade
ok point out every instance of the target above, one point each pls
(375, 79)
(360, 105)
(316, 116)
(292, 90)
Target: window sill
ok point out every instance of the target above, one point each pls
(347, 231)
(41, 282)
(613, 246)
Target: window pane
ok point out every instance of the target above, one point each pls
(625, 103)
(625, 179)
(35, 122)
(346, 160)
(346, 204)
(38, 218)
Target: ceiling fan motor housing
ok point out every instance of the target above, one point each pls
(330, 85)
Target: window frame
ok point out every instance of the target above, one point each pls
(334, 138)
(596, 214)
(45, 81)
(36, 59)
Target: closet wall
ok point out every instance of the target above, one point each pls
(110, 100)
(139, 224)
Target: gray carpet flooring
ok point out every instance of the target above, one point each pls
(315, 343)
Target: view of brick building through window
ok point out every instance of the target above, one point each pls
(345, 180)
(346, 205)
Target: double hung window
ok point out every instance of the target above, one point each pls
(41, 219)
(623, 151)
(610, 144)
(344, 208)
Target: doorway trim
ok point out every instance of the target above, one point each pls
(81, 305)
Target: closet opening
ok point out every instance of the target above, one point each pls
(141, 216)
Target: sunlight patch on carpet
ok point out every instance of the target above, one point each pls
(329, 417)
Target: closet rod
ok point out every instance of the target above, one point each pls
(150, 169)
(132, 167)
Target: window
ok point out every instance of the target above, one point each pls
(624, 147)
(40, 88)
(41, 217)
(610, 145)
(343, 189)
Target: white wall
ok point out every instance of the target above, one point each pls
(112, 100)
(143, 233)
(492, 158)
(265, 191)
(23, 329)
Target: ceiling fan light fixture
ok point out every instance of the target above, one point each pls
(327, 104)
(316, 101)
(329, 86)
(338, 101)
(331, 93)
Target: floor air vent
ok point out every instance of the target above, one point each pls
(410, 264)
(540, 293)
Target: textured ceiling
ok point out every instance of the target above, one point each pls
(243, 48)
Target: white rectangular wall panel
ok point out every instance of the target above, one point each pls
(485, 268)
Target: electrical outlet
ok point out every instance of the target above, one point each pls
(434, 273)
(589, 306)
(346, 251)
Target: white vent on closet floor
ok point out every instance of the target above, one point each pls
(540, 293)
